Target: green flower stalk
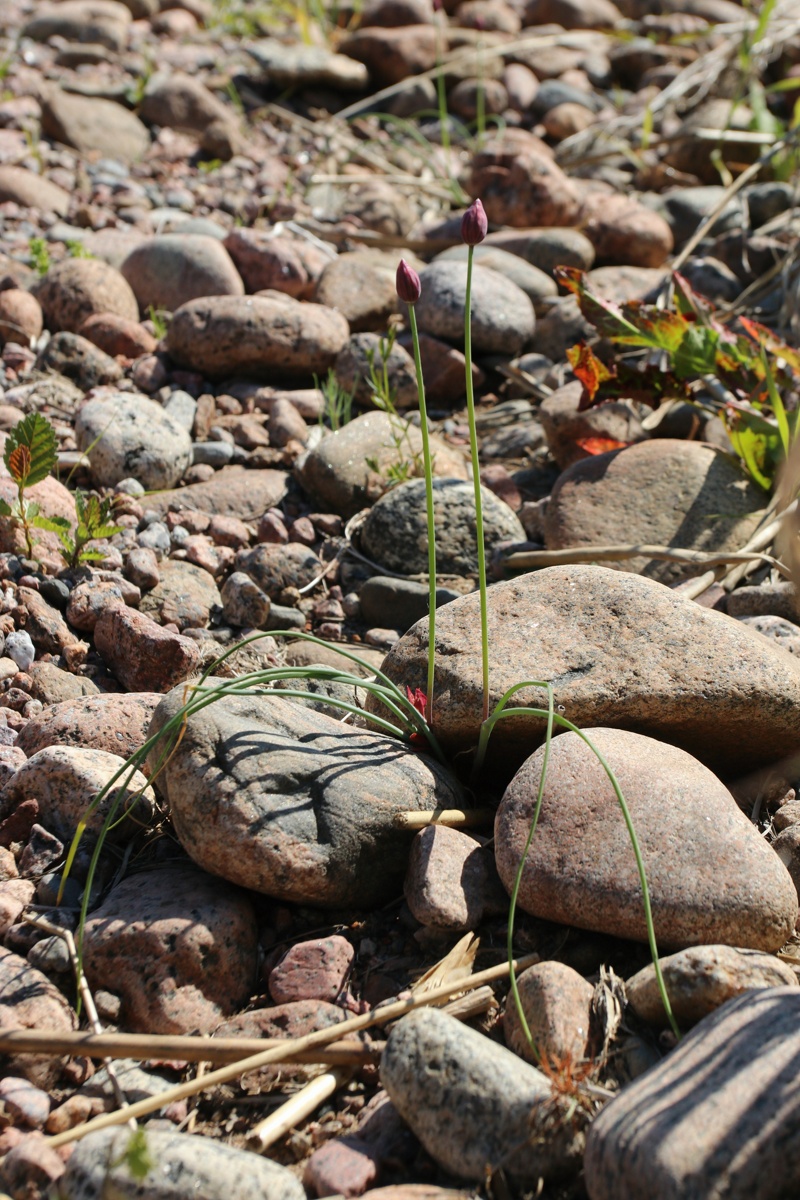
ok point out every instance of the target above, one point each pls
(409, 289)
(474, 227)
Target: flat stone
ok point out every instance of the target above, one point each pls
(340, 472)
(65, 780)
(361, 285)
(117, 724)
(78, 359)
(300, 65)
(178, 946)
(503, 319)
(718, 1117)
(233, 492)
(546, 248)
(183, 1167)
(333, 842)
(91, 124)
(395, 533)
(711, 876)
(295, 1019)
(619, 650)
(471, 1102)
(184, 596)
(167, 271)
(398, 603)
(662, 492)
(701, 979)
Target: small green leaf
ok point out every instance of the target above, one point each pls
(6, 510)
(35, 435)
(697, 353)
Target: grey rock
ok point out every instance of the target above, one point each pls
(767, 200)
(662, 492)
(765, 599)
(184, 1167)
(711, 876)
(395, 533)
(243, 602)
(281, 617)
(78, 359)
(555, 91)
(712, 279)
(534, 282)
(126, 433)
(718, 1118)
(398, 603)
(685, 208)
(471, 1102)
(234, 492)
(136, 1083)
(620, 650)
(306, 814)
(184, 595)
(213, 454)
(20, 647)
(171, 270)
(299, 65)
(783, 633)
(546, 248)
(182, 408)
(353, 371)
(65, 780)
(701, 979)
(339, 473)
(275, 567)
(503, 319)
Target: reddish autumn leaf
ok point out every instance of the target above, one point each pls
(590, 370)
(418, 699)
(600, 445)
(19, 463)
(764, 337)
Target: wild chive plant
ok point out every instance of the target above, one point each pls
(410, 713)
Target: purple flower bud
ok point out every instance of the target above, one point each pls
(409, 288)
(474, 224)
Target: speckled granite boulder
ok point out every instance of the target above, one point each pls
(306, 814)
(28, 1000)
(125, 434)
(711, 876)
(109, 722)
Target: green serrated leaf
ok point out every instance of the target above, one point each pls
(91, 556)
(6, 510)
(53, 524)
(697, 353)
(106, 531)
(36, 434)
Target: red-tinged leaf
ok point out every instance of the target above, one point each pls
(590, 370)
(766, 339)
(418, 699)
(600, 445)
(658, 327)
(19, 463)
(687, 301)
(606, 316)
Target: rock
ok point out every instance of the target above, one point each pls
(557, 1003)
(573, 14)
(451, 881)
(177, 101)
(142, 655)
(546, 248)
(30, 1166)
(65, 780)
(701, 979)
(117, 724)
(353, 371)
(392, 54)
(184, 596)
(51, 685)
(25, 1104)
(103, 22)
(361, 286)
(232, 492)
(91, 124)
(183, 1167)
(296, 1019)
(275, 567)
(78, 359)
(20, 317)
(17, 894)
(536, 284)
(565, 426)
(178, 946)
(243, 602)
(20, 649)
(502, 314)
(398, 603)
(663, 492)
(339, 472)
(347, 1165)
(623, 231)
(246, 335)
(523, 188)
(470, 1101)
(285, 424)
(444, 370)
(88, 600)
(30, 190)
(712, 1119)
(469, 95)
(118, 335)
(720, 882)
(302, 654)
(125, 433)
(30, 1001)
(395, 533)
(301, 65)
(783, 633)
(281, 264)
(45, 625)
(344, 781)
(168, 271)
(563, 120)
(764, 599)
(78, 288)
(314, 970)
(620, 651)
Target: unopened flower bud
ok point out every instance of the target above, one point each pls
(409, 288)
(474, 224)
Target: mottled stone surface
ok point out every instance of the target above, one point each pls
(275, 567)
(183, 1166)
(127, 434)
(77, 288)
(114, 723)
(470, 1101)
(557, 1003)
(719, 1118)
(177, 946)
(313, 970)
(28, 1000)
(619, 650)
(711, 876)
(702, 978)
(291, 803)
(233, 492)
(662, 492)
(184, 596)
(142, 655)
(452, 881)
(296, 1018)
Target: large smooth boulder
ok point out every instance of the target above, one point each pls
(620, 651)
(291, 803)
(127, 434)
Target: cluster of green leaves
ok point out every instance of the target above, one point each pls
(338, 401)
(30, 455)
(407, 462)
(40, 255)
(674, 347)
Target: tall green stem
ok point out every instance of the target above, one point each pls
(476, 480)
(428, 464)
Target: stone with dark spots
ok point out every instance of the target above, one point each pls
(710, 874)
(78, 359)
(142, 655)
(233, 492)
(44, 624)
(293, 804)
(313, 970)
(295, 1019)
(115, 723)
(178, 946)
(184, 596)
(619, 650)
(77, 288)
(274, 567)
(28, 1000)
(718, 1118)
